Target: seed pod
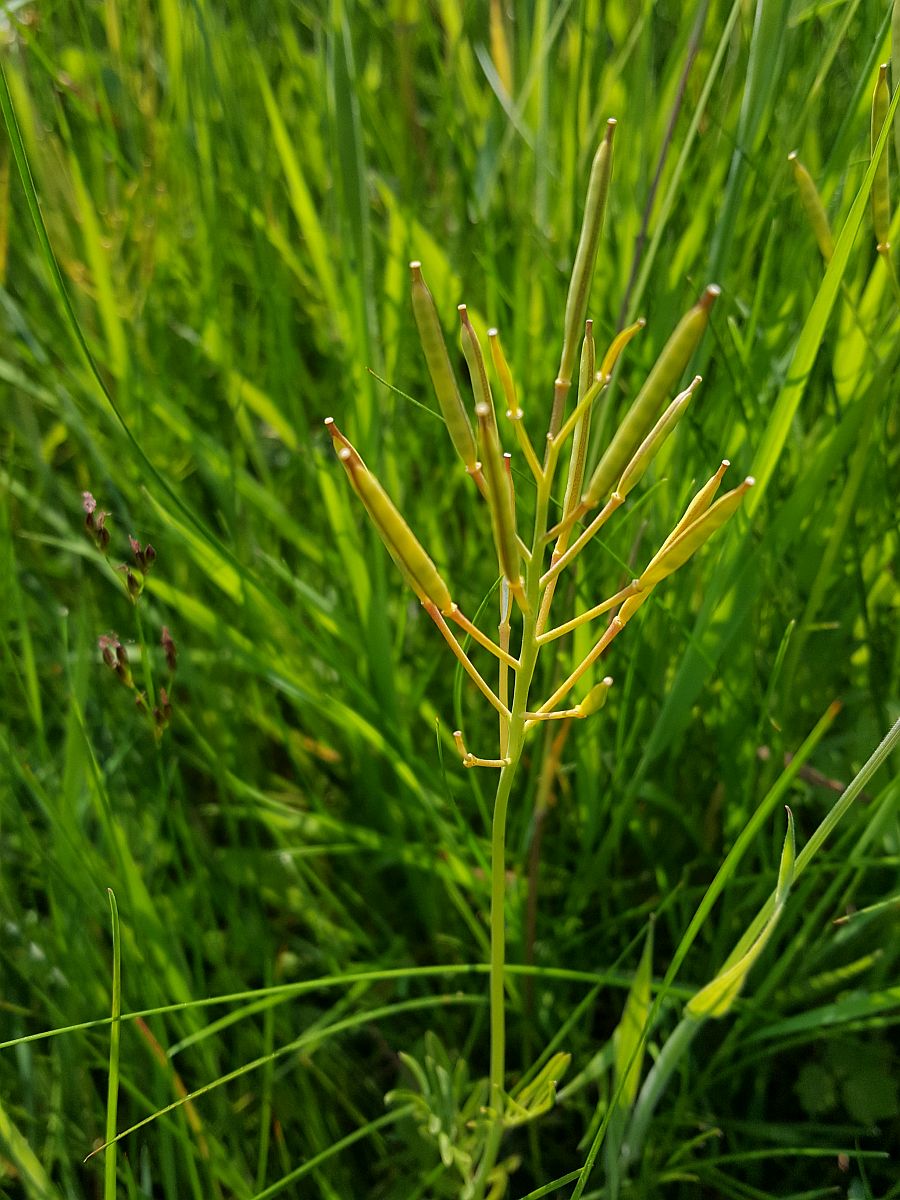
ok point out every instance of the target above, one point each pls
(596, 698)
(652, 443)
(881, 194)
(444, 381)
(676, 553)
(699, 504)
(407, 552)
(501, 366)
(813, 207)
(660, 383)
(481, 386)
(585, 256)
(499, 496)
(582, 433)
(617, 345)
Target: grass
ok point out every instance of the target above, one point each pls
(232, 194)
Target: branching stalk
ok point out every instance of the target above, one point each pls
(464, 659)
(482, 639)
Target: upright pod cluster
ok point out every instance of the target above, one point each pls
(530, 567)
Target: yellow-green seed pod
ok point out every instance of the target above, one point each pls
(499, 495)
(813, 207)
(659, 385)
(586, 255)
(582, 434)
(674, 555)
(402, 544)
(699, 504)
(881, 192)
(501, 366)
(471, 348)
(617, 345)
(596, 698)
(652, 443)
(443, 380)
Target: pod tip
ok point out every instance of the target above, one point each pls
(792, 157)
(492, 333)
(710, 296)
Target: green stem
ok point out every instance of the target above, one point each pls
(528, 656)
(112, 1092)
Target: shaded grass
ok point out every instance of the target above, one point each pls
(232, 195)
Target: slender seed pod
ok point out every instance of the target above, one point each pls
(443, 380)
(501, 366)
(582, 433)
(676, 553)
(596, 698)
(586, 255)
(477, 371)
(813, 207)
(407, 552)
(699, 504)
(652, 443)
(499, 496)
(617, 345)
(659, 384)
(881, 194)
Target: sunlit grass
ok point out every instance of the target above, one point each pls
(232, 194)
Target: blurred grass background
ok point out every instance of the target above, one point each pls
(232, 192)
